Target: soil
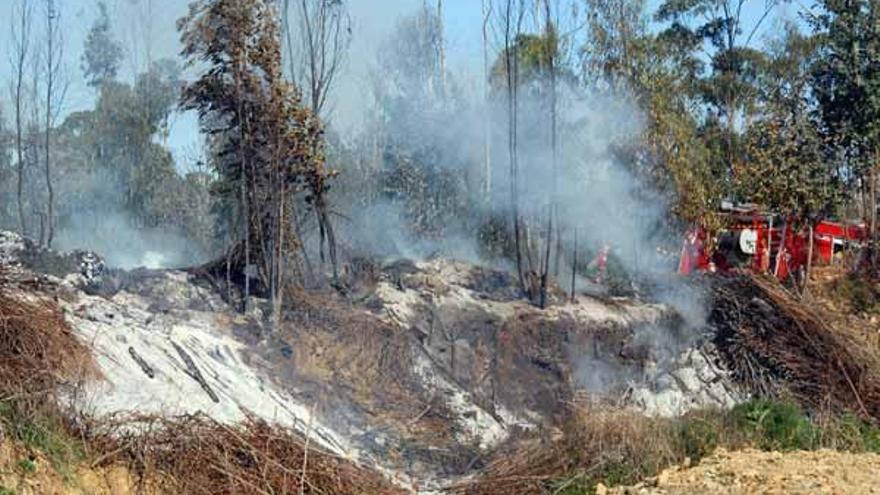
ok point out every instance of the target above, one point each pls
(752, 471)
(25, 472)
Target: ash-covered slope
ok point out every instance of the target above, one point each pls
(419, 371)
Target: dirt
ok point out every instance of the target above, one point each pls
(24, 472)
(752, 471)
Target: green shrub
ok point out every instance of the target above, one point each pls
(776, 425)
(46, 434)
(699, 436)
(27, 465)
(848, 432)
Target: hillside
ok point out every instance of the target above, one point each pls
(426, 372)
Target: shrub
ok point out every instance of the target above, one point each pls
(776, 425)
(858, 291)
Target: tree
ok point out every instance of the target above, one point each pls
(786, 167)
(54, 95)
(846, 82)
(418, 171)
(729, 87)
(527, 75)
(102, 54)
(673, 155)
(268, 143)
(511, 18)
(315, 59)
(21, 37)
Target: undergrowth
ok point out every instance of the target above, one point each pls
(44, 431)
(858, 291)
(762, 424)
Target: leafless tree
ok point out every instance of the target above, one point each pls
(55, 89)
(20, 29)
(315, 58)
(550, 33)
(511, 18)
(487, 117)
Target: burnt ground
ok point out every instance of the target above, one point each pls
(429, 366)
(424, 368)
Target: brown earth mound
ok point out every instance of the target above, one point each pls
(753, 471)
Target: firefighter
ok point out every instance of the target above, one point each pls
(693, 254)
(600, 264)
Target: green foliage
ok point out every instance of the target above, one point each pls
(699, 436)
(267, 146)
(785, 166)
(102, 54)
(846, 80)
(849, 432)
(46, 433)
(111, 160)
(533, 56)
(27, 466)
(677, 155)
(763, 424)
(776, 426)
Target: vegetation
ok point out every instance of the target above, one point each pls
(616, 447)
(728, 111)
(722, 109)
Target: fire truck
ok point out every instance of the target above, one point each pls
(765, 242)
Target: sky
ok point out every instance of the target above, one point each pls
(147, 31)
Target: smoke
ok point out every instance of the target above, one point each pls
(438, 139)
(122, 245)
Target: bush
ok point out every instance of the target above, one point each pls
(858, 291)
(699, 436)
(850, 433)
(616, 447)
(776, 425)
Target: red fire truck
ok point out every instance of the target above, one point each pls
(766, 242)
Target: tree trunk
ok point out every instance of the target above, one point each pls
(22, 44)
(511, 69)
(545, 265)
(809, 261)
(326, 227)
(873, 216)
(19, 147)
(548, 240)
(574, 265)
(487, 117)
(50, 81)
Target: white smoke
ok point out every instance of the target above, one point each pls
(122, 245)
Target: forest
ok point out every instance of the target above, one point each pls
(618, 122)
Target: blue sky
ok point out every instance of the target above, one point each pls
(146, 29)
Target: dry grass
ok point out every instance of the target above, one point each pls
(622, 447)
(593, 443)
(199, 456)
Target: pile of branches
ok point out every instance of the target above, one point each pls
(775, 343)
(39, 355)
(197, 455)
